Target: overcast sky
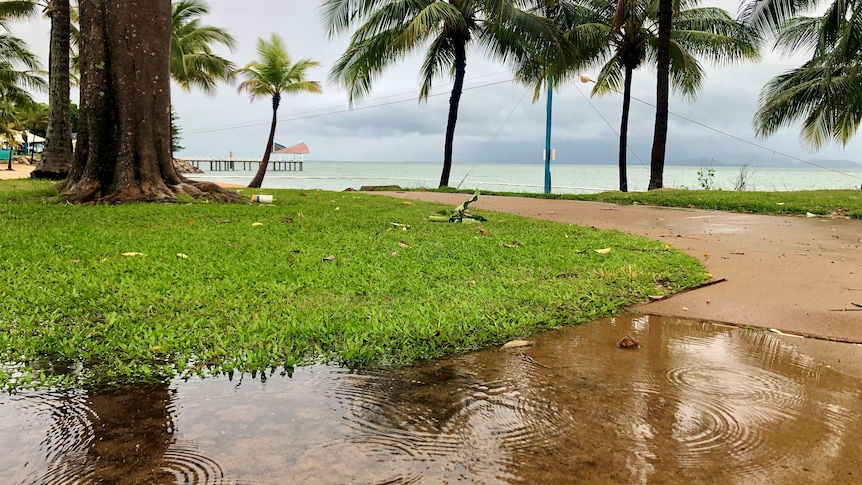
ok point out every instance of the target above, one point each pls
(497, 120)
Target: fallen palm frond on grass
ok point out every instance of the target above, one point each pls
(138, 293)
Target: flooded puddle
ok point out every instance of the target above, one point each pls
(697, 403)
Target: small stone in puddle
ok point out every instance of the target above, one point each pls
(628, 342)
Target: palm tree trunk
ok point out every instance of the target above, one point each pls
(659, 144)
(123, 151)
(30, 147)
(57, 156)
(454, 101)
(257, 181)
(624, 128)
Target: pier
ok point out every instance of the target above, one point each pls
(244, 164)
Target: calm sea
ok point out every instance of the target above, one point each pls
(565, 178)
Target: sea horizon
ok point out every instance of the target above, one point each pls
(529, 177)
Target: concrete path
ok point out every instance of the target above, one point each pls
(794, 274)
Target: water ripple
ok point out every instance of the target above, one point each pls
(697, 404)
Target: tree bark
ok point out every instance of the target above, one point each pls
(123, 149)
(257, 181)
(659, 144)
(624, 128)
(57, 156)
(454, 102)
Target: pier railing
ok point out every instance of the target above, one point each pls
(233, 164)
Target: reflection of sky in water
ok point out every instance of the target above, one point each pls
(697, 404)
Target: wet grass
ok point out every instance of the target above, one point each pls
(821, 202)
(125, 295)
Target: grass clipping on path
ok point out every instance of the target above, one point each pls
(125, 295)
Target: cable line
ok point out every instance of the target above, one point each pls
(323, 112)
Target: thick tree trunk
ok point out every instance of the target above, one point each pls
(257, 181)
(659, 144)
(124, 138)
(57, 157)
(454, 102)
(624, 128)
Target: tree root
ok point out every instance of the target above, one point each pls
(93, 193)
(205, 190)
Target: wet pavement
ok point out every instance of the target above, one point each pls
(796, 274)
(697, 403)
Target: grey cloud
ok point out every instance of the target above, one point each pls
(213, 126)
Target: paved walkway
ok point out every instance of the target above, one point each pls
(790, 273)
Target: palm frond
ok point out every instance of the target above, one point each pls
(440, 55)
(768, 15)
(193, 62)
(825, 97)
(800, 33)
(17, 9)
(611, 78)
(274, 73)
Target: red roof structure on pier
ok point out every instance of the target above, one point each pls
(298, 149)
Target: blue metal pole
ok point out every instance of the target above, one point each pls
(548, 136)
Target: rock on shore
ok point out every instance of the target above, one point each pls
(185, 167)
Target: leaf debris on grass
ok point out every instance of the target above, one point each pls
(244, 303)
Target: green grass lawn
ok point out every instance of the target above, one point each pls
(822, 202)
(345, 278)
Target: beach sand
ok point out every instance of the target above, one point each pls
(22, 171)
(19, 171)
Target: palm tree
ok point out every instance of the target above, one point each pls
(19, 74)
(633, 30)
(274, 74)
(34, 118)
(14, 98)
(57, 156)
(192, 61)
(663, 67)
(391, 29)
(824, 92)
(20, 70)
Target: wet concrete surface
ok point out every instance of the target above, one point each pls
(697, 403)
(795, 274)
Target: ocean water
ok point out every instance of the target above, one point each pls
(565, 178)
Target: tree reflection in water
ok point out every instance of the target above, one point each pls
(124, 437)
(697, 404)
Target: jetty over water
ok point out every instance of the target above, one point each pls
(233, 164)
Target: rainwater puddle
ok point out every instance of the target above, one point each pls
(696, 404)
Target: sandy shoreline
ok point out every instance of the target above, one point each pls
(22, 171)
(19, 171)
